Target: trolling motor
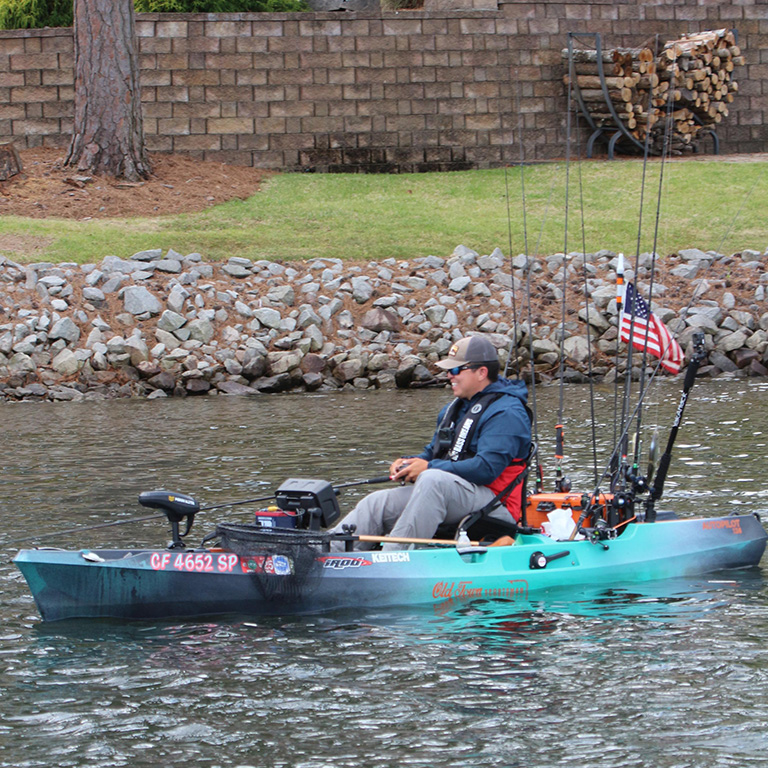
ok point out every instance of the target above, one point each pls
(177, 507)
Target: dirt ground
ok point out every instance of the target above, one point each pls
(46, 189)
(179, 184)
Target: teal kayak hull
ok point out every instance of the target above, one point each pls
(164, 584)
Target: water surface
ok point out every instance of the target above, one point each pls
(668, 674)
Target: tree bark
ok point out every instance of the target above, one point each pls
(10, 162)
(108, 135)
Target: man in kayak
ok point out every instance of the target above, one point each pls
(479, 448)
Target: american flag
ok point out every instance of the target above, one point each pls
(660, 341)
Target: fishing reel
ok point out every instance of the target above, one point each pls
(621, 508)
(641, 484)
(601, 533)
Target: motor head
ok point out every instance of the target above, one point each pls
(177, 507)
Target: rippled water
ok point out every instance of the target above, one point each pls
(669, 674)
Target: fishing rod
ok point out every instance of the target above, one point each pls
(698, 352)
(590, 374)
(640, 484)
(597, 498)
(512, 351)
(195, 511)
(561, 484)
(661, 475)
(698, 355)
(621, 464)
(666, 148)
(658, 487)
(538, 474)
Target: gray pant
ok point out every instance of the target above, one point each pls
(415, 511)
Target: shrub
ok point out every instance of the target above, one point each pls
(35, 14)
(218, 6)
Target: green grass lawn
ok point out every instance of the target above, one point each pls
(705, 204)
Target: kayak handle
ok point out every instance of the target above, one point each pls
(539, 560)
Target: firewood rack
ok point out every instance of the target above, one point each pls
(610, 133)
(617, 131)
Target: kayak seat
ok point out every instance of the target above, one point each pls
(486, 529)
(479, 526)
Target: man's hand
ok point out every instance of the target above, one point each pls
(407, 470)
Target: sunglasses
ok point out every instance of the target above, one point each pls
(459, 368)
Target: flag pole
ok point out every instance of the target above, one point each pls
(620, 314)
(619, 302)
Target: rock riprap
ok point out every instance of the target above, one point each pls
(160, 323)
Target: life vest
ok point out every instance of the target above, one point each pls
(513, 501)
(454, 440)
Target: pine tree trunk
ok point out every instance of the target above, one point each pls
(108, 135)
(10, 162)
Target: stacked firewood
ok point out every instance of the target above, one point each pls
(680, 93)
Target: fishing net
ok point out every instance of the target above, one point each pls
(283, 564)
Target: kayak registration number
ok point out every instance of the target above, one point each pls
(197, 562)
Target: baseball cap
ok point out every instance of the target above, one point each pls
(469, 350)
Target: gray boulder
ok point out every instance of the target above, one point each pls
(94, 295)
(362, 289)
(137, 349)
(200, 329)
(378, 320)
(458, 284)
(282, 294)
(64, 329)
(236, 270)
(150, 255)
(350, 369)
(66, 363)
(269, 318)
(170, 321)
(731, 341)
(235, 388)
(283, 362)
(139, 301)
(168, 265)
(279, 383)
(576, 348)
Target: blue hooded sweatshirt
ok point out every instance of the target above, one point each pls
(503, 434)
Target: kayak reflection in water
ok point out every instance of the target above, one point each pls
(479, 448)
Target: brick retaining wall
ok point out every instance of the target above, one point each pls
(436, 89)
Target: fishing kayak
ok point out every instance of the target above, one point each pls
(291, 559)
(271, 580)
